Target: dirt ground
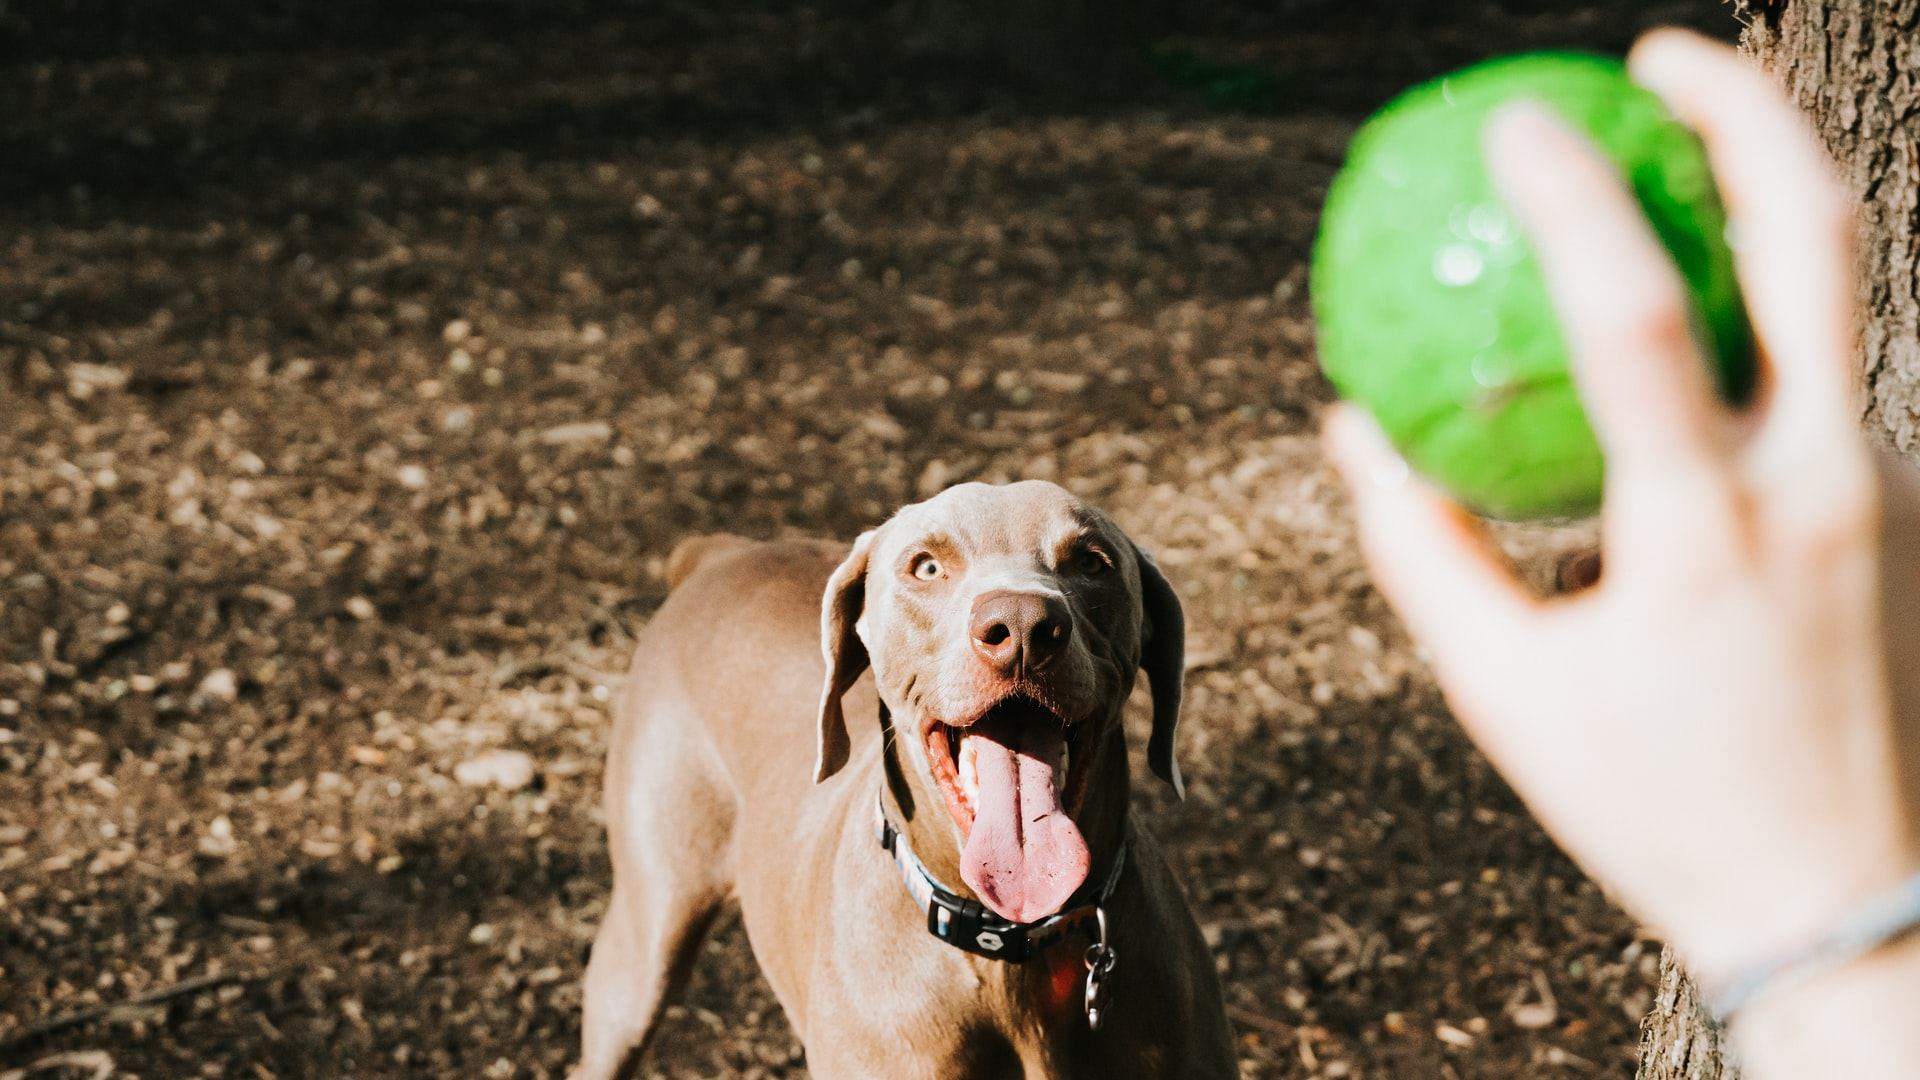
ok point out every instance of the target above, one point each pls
(357, 372)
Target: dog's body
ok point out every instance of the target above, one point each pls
(711, 792)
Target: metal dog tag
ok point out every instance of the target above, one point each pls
(1100, 961)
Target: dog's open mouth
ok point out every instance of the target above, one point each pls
(1009, 779)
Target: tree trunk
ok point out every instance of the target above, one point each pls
(1854, 66)
(1678, 1041)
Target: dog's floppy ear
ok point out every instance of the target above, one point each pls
(845, 653)
(1163, 654)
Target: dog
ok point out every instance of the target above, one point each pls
(951, 886)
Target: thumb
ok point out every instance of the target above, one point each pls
(1430, 558)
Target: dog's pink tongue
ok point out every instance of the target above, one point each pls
(1024, 856)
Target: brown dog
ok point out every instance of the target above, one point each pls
(1003, 627)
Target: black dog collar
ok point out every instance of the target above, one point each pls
(967, 925)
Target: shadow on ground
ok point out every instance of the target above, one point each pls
(361, 365)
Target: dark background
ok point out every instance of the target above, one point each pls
(359, 363)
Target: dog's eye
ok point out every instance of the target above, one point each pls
(925, 567)
(1091, 562)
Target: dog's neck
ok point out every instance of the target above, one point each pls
(921, 812)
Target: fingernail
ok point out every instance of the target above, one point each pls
(1529, 149)
(1520, 128)
(1515, 137)
(1651, 60)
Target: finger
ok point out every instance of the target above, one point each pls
(1629, 327)
(1429, 557)
(1623, 307)
(1794, 222)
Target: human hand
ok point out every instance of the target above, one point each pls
(1714, 729)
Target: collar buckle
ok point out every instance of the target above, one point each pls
(965, 924)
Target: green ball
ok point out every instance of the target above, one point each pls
(1433, 314)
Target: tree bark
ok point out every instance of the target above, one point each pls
(1854, 66)
(1678, 1041)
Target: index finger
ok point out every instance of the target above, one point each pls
(1793, 222)
(1629, 327)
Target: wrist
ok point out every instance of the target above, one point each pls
(1854, 1021)
(1780, 920)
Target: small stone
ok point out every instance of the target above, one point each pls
(1533, 1017)
(509, 770)
(412, 477)
(456, 331)
(84, 380)
(1452, 1036)
(586, 431)
(218, 842)
(933, 478)
(361, 608)
(220, 685)
(883, 427)
(1059, 382)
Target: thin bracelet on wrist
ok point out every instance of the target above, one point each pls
(1879, 922)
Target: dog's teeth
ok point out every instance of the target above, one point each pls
(969, 775)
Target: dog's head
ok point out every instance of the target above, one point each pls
(1004, 626)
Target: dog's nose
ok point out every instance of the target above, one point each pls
(1013, 629)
